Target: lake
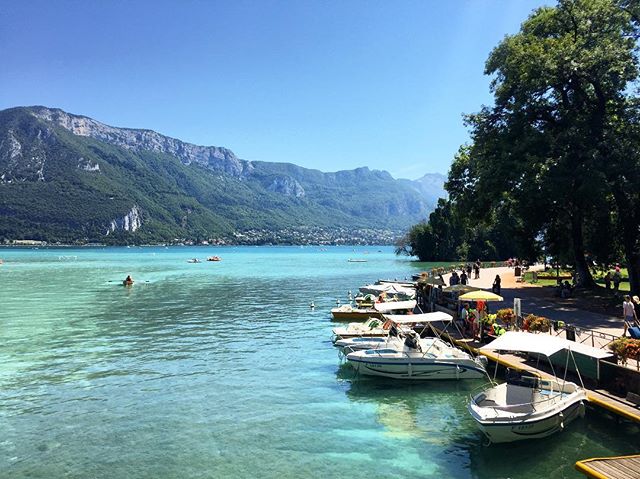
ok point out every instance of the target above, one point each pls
(221, 369)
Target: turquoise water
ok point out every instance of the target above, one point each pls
(223, 370)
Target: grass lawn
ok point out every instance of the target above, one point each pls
(624, 285)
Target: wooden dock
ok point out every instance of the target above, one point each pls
(623, 467)
(603, 399)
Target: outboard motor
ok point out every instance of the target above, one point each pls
(412, 341)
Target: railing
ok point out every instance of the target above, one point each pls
(596, 339)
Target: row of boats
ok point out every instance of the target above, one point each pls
(409, 347)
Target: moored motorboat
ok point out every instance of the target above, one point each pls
(348, 312)
(355, 336)
(410, 357)
(418, 359)
(373, 327)
(527, 407)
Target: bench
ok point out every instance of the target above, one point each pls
(633, 398)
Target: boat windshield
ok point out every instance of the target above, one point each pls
(518, 378)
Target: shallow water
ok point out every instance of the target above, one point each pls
(223, 370)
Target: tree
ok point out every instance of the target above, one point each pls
(561, 88)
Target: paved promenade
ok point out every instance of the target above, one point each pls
(540, 301)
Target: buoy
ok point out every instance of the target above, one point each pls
(311, 305)
(337, 302)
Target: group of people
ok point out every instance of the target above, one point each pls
(465, 274)
(615, 278)
(472, 317)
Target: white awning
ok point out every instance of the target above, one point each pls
(394, 305)
(419, 318)
(542, 344)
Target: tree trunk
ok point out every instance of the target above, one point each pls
(630, 235)
(631, 243)
(584, 278)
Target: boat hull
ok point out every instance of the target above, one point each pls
(419, 369)
(535, 427)
(354, 315)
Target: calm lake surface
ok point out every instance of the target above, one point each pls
(223, 370)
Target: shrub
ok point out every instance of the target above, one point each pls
(537, 323)
(506, 315)
(625, 348)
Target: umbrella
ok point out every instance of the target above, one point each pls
(460, 288)
(480, 295)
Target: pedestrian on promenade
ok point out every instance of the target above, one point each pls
(463, 277)
(629, 312)
(464, 318)
(496, 284)
(476, 270)
(636, 306)
(607, 280)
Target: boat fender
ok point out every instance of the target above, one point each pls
(561, 418)
(581, 409)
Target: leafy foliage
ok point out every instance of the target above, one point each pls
(554, 163)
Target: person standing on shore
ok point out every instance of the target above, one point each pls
(629, 312)
(463, 277)
(617, 277)
(496, 284)
(476, 270)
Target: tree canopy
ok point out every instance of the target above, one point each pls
(554, 163)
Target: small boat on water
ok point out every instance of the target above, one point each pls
(214, 258)
(355, 260)
(413, 358)
(348, 312)
(528, 407)
(194, 260)
(375, 328)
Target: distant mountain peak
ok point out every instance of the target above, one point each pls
(66, 176)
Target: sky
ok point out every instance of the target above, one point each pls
(325, 84)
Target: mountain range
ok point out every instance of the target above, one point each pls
(69, 178)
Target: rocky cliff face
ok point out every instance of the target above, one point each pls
(216, 158)
(129, 222)
(65, 177)
(20, 163)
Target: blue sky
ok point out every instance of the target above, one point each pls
(326, 84)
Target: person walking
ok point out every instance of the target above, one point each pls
(629, 312)
(607, 280)
(463, 277)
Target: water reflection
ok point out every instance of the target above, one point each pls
(431, 411)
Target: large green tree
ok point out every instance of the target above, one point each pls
(558, 144)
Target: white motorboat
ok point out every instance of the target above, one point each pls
(415, 358)
(526, 408)
(368, 335)
(348, 312)
(529, 407)
(373, 327)
(428, 358)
